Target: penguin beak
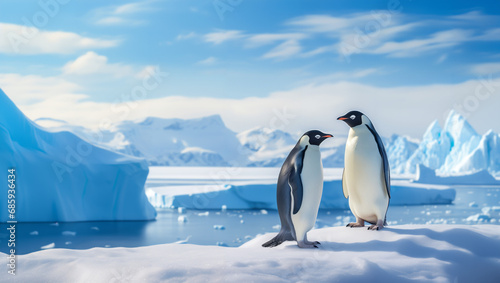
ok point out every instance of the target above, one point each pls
(328, 136)
(341, 118)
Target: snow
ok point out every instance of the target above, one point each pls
(61, 177)
(255, 188)
(405, 253)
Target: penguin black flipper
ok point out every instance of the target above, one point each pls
(385, 161)
(295, 181)
(344, 185)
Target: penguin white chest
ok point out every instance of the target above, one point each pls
(312, 184)
(364, 175)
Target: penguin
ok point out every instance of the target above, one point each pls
(366, 179)
(299, 190)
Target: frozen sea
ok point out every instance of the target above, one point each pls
(473, 205)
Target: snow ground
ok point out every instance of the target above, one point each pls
(406, 253)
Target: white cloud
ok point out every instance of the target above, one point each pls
(404, 110)
(29, 40)
(122, 14)
(186, 36)
(285, 50)
(414, 47)
(486, 68)
(221, 36)
(208, 61)
(25, 90)
(269, 38)
(92, 63)
(442, 58)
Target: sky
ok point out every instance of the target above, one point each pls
(286, 64)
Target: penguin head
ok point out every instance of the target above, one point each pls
(354, 118)
(314, 137)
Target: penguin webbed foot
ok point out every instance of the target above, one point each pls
(308, 245)
(355, 224)
(378, 226)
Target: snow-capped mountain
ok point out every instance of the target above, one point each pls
(267, 147)
(455, 149)
(177, 142)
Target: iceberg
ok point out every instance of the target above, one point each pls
(61, 177)
(256, 189)
(455, 149)
(428, 176)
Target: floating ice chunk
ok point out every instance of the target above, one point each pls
(224, 207)
(221, 244)
(473, 204)
(181, 210)
(182, 219)
(183, 241)
(263, 211)
(219, 227)
(34, 233)
(95, 228)
(49, 246)
(242, 221)
(68, 233)
(206, 213)
(68, 243)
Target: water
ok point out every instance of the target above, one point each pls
(231, 228)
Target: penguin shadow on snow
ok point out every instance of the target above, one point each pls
(471, 256)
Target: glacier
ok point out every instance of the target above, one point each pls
(61, 177)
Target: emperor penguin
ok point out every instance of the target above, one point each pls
(299, 190)
(366, 179)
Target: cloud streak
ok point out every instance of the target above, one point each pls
(18, 39)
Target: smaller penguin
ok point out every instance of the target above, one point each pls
(299, 190)
(366, 179)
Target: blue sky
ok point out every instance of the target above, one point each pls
(247, 60)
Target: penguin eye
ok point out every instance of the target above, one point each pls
(353, 117)
(317, 137)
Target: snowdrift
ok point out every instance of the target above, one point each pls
(256, 189)
(406, 253)
(61, 177)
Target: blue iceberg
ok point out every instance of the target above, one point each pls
(61, 177)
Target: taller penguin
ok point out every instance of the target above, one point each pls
(300, 186)
(366, 180)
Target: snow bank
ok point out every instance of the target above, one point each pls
(428, 176)
(243, 190)
(61, 177)
(433, 253)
